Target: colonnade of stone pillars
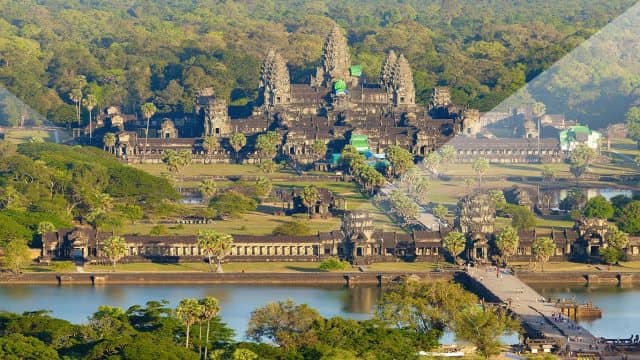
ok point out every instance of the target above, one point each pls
(274, 250)
(237, 250)
(164, 250)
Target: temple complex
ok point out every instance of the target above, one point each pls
(337, 103)
(357, 241)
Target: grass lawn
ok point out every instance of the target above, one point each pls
(204, 169)
(631, 266)
(407, 266)
(562, 169)
(254, 223)
(19, 135)
(200, 267)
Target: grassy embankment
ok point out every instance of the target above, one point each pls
(262, 222)
(21, 135)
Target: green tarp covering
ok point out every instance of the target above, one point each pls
(339, 87)
(360, 142)
(356, 70)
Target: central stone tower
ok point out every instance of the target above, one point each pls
(396, 78)
(213, 112)
(335, 60)
(275, 84)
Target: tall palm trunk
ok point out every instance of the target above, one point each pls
(188, 330)
(146, 139)
(90, 132)
(200, 339)
(206, 344)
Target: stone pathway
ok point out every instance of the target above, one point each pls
(535, 312)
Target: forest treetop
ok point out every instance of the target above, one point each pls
(131, 52)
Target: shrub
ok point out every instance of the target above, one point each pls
(292, 228)
(158, 230)
(62, 266)
(598, 207)
(232, 203)
(334, 264)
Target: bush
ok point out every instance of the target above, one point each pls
(522, 218)
(334, 264)
(62, 266)
(158, 230)
(598, 207)
(233, 204)
(292, 228)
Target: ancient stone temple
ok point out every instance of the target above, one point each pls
(475, 213)
(476, 216)
(440, 98)
(168, 130)
(593, 235)
(530, 129)
(216, 120)
(275, 86)
(388, 68)
(404, 92)
(335, 60)
(335, 104)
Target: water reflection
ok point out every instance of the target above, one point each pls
(607, 193)
(361, 300)
(621, 314)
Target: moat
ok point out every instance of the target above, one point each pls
(76, 303)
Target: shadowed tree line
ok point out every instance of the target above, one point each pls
(410, 317)
(70, 60)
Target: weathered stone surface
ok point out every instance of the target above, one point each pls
(275, 84)
(476, 214)
(335, 60)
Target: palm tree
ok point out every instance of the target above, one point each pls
(109, 141)
(237, 141)
(448, 155)
(223, 243)
(210, 310)
(207, 188)
(319, 149)
(213, 243)
(455, 243)
(176, 161)
(148, 110)
(115, 248)
(89, 103)
(206, 241)
(76, 97)
(188, 311)
(210, 144)
(184, 160)
(480, 166)
(309, 197)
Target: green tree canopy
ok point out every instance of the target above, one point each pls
(232, 203)
(455, 242)
(543, 248)
(507, 241)
(598, 207)
(292, 228)
(401, 159)
(629, 219)
(283, 322)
